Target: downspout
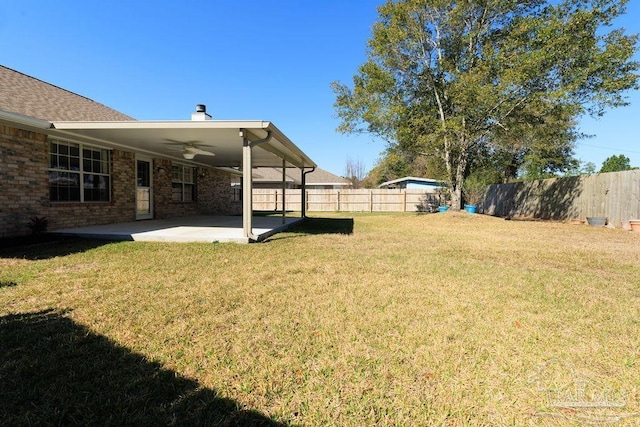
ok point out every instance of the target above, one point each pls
(284, 191)
(304, 191)
(247, 182)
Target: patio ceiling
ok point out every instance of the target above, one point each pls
(168, 139)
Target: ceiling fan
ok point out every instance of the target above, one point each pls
(190, 149)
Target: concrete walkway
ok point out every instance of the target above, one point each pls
(185, 229)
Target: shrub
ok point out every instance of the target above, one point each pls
(38, 224)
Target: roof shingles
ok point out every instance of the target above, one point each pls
(26, 95)
(318, 176)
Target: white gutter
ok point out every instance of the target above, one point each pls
(163, 124)
(288, 144)
(23, 120)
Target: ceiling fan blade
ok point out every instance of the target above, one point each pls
(178, 144)
(194, 150)
(188, 149)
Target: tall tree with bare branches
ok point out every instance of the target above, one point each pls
(355, 171)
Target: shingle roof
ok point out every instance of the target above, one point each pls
(264, 174)
(26, 95)
(321, 176)
(318, 176)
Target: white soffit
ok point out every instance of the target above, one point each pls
(167, 138)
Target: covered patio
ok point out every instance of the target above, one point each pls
(233, 146)
(204, 229)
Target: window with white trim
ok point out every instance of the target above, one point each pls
(183, 185)
(78, 173)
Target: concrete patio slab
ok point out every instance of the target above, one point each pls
(184, 229)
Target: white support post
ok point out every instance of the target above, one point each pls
(247, 187)
(247, 181)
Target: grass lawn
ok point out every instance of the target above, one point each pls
(361, 319)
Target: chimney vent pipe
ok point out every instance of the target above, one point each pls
(200, 113)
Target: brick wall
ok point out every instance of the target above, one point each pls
(163, 205)
(215, 194)
(121, 208)
(24, 189)
(23, 179)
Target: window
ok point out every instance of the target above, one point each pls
(71, 165)
(182, 184)
(236, 190)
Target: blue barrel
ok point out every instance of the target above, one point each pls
(470, 208)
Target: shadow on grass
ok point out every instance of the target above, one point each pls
(46, 246)
(310, 226)
(56, 372)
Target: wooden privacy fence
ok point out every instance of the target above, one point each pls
(615, 195)
(362, 200)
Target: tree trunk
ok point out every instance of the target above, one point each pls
(457, 181)
(456, 198)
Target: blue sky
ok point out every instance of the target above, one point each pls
(245, 59)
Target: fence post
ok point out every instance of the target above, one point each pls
(338, 201)
(404, 200)
(370, 200)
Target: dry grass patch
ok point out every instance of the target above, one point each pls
(441, 319)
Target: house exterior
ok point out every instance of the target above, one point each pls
(317, 179)
(80, 163)
(413, 183)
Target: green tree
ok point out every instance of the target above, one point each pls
(535, 147)
(482, 77)
(589, 168)
(391, 166)
(581, 168)
(616, 163)
(395, 164)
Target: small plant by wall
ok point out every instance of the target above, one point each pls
(473, 190)
(38, 224)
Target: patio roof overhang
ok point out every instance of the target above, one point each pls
(239, 144)
(167, 139)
